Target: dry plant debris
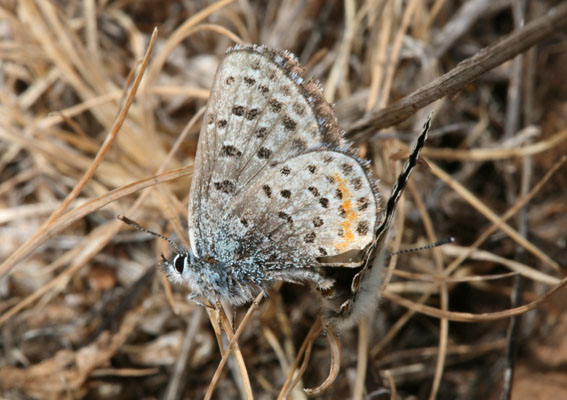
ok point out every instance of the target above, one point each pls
(83, 311)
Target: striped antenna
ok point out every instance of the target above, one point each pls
(400, 184)
(429, 246)
(135, 225)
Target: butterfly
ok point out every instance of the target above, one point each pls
(278, 194)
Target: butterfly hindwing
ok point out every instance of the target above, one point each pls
(317, 204)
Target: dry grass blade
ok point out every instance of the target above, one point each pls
(441, 271)
(469, 317)
(392, 385)
(362, 360)
(497, 154)
(489, 214)
(246, 390)
(86, 208)
(519, 268)
(9, 263)
(80, 212)
(214, 380)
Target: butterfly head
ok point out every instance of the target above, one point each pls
(182, 268)
(207, 278)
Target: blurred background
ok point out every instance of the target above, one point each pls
(84, 309)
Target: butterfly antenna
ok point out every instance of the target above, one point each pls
(401, 182)
(429, 246)
(135, 225)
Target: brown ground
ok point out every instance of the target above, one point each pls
(84, 311)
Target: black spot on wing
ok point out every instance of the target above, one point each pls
(275, 105)
(230, 151)
(264, 153)
(362, 203)
(288, 123)
(225, 186)
(252, 113)
(310, 237)
(314, 191)
(267, 190)
(238, 111)
(357, 183)
(362, 228)
(249, 81)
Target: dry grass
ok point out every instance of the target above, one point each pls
(94, 123)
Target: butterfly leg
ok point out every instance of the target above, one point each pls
(193, 298)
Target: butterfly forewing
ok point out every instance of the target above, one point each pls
(261, 115)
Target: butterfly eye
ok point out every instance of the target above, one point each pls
(179, 263)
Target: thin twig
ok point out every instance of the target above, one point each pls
(176, 384)
(464, 73)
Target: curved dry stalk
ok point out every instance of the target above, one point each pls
(516, 267)
(335, 348)
(470, 317)
(460, 279)
(392, 384)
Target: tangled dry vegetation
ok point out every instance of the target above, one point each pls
(84, 311)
